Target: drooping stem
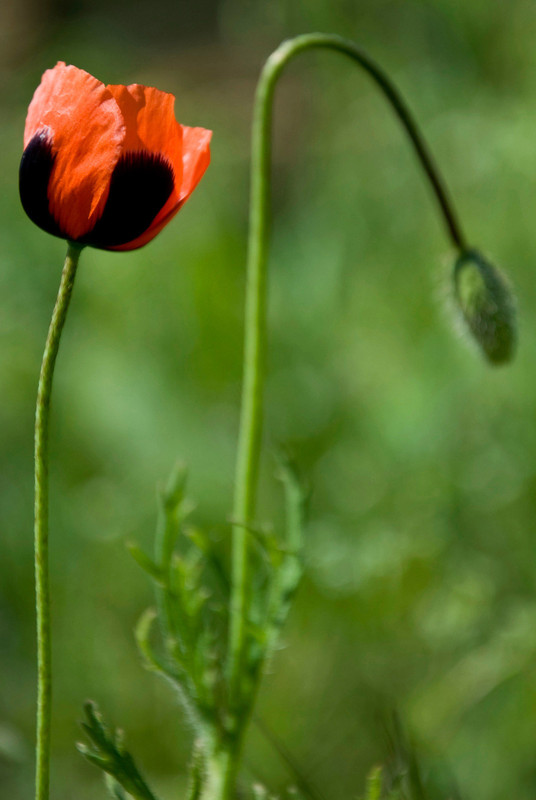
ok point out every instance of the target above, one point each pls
(42, 414)
(249, 444)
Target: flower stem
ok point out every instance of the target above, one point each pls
(42, 415)
(249, 444)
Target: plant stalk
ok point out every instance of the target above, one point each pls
(42, 582)
(250, 432)
(220, 768)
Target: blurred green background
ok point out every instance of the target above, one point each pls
(420, 591)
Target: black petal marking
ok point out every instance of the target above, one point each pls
(34, 175)
(140, 185)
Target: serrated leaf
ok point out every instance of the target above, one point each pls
(116, 790)
(146, 563)
(142, 634)
(98, 761)
(174, 670)
(105, 754)
(95, 726)
(287, 573)
(173, 492)
(173, 509)
(295, 501)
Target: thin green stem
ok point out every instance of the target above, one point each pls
(249, 444)
(42, 415)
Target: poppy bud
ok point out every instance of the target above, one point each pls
(107, 166)
(487, 304)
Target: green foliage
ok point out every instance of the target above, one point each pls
(192, 600)
(190, 617)
(107, 752)
(281, 565)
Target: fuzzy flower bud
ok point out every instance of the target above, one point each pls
(487, 304)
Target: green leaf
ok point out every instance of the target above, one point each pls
(106, 751)
(173, 509)
(116, 790)
(142, 633)
(288, 572)
(146, 563)
(173, 493)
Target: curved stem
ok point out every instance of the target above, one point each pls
(249, 443)
(42, 414)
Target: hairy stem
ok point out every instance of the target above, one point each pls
(42, 415)
(221, 765)
(249, 444)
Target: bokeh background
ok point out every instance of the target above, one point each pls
(420, 590)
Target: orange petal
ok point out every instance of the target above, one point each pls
(195, 160)
(150, 123)
(87, 133)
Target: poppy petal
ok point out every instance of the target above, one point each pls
(195, 160)
(85, 131)
(151, 125)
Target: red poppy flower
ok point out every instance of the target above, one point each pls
(106, 166)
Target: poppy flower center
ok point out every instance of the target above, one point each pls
(140, 186)
(34, 175)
